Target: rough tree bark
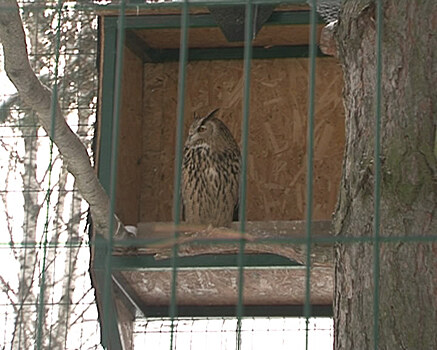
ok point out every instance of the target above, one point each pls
(407, 299)
(39, 98)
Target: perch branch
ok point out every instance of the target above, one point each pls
(261, 238)
(39, 98)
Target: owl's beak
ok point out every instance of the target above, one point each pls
(192, 138)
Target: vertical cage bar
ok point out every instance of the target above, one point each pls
(377, 187)
(310, 156)
(183, 56)
(107, 282)
(248, 36)
(106, 108)
(53, 107)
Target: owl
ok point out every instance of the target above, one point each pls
(210, 173)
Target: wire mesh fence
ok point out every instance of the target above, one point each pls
(47, 298)
(64, 288)
(220, 333)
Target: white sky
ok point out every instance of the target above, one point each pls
(6, 87)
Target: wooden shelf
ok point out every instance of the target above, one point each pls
(207, 275)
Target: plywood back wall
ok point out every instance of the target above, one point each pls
(278, 129)
(129, 174)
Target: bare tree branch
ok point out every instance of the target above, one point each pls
(8, 289)
(39, 98)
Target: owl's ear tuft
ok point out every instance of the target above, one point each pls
(211, 114)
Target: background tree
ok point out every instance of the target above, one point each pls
(407, 284)
(50, 215)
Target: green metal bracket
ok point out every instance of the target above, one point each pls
(109, 332)
(106, 104)
(140, 48)
(207, 21)
(223, 261)
(149, 55)
(249, 311)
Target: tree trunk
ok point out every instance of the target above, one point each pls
(407, 300)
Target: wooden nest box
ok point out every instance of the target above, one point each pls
(277, 164)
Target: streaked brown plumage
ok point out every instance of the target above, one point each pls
(210, 173)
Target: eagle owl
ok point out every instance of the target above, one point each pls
(210, 173)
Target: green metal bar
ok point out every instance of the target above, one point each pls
(207, 20)
(377, 188)
(310, 156)
(178, 158)
(140, 48)
(127, 295)
(292, 17)
(53, 107)
(223, 261)
(244, 2)
(136, 6)
(110, 314)
(248, 37)
(106, 106)
(229, 311)
(177, 4)
(327, 240)
(275, 240)
(169, 21)
(110, 335)
(226, 53)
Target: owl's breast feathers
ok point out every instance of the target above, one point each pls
(210, 185)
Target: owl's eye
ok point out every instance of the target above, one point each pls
(201, 128)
